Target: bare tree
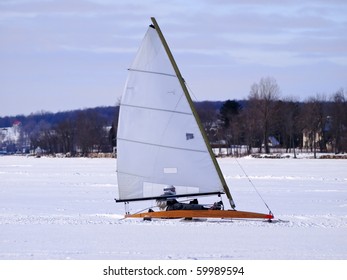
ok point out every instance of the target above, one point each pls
(44, 136)
(91, 134)
(339, 121)
(250, 127)
(263, 97)
(313, 123)
(66, 131)
(288, 123)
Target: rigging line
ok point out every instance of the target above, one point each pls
(152, 72)
(152, 206)
(191, 91)
(249, 179)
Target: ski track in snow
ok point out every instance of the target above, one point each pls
(56, 208)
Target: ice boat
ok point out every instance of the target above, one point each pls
(161, 141)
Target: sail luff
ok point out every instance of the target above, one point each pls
(196, 116)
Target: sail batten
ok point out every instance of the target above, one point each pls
(162, 146)
(156, 109)
(152, 72)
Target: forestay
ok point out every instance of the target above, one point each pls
(159, 142)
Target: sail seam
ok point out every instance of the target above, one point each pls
(131, 174)
(156, 109)
(152, 72)
(162, 146)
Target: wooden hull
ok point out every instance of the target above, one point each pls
(222, 214)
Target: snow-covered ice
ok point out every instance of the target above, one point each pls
(64, 208)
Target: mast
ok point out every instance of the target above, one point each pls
(185, 90)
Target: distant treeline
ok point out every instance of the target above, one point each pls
(72, 132)
(263, 122)
(106, 113)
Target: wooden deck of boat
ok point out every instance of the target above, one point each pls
(222, 214)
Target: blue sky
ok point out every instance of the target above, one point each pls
(71, 54)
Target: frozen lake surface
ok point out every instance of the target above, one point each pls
(64, 208)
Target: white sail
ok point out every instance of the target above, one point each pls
(159, 142)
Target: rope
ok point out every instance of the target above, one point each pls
(191, 92)
(249, 179)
